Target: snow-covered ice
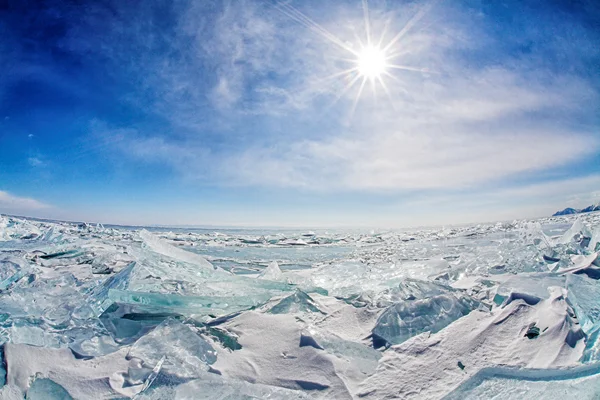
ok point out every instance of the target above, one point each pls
(501, 310)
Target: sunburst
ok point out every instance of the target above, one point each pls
(369, 60)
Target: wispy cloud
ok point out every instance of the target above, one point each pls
(35, 162)
(459, 126)
(12, 203)
(545, 197)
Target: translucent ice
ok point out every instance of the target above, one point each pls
(272, 272)
(215, 387)
(111, 311)
(186, 352)
(197, 305)
(160, 246)
(408, 318)
(583, 295)
(410, 289)
(98, 298)
(33, 335)
(157, 274)
(11, 270)
(47, 389)
(534, 285)
(513, 384)
(297, 302)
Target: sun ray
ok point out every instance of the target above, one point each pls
(359, 40)
(386, 73)
(395, 54)
(398, 81)
(298, 16)
(365, 5)
(420, 14)
(352, 60)
(386, 26)
(371, 54)
(406, 68)
(337, 74)
(345, 90)
(357, 97)
(374, 86)
(387, 92)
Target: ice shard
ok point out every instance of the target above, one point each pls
(583, 294)
(11, 270)
(188, 305)
(294, 303)
(532, 285)
(158, 245)
(410, 317)
(98, 298)
(272, 272)
(186, 351)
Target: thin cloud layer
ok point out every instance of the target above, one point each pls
(12, 203)
(457, 125)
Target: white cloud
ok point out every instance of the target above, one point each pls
(518, 201)
(461, 125)
(463, 132)
(12, 203)
(35, 162)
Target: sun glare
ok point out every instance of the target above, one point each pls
(371, 62)
(373, 58)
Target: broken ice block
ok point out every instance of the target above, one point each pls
(411, 289)
(408, 318)
(583, 294)
(271, 273)
(297, 302)
(198, 305)
(33, 335)
(186, 352)
(160, 246)
(532, 285)
(98, 298)
(11, 270)
(94, 347)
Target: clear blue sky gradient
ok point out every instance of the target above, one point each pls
(231, 113)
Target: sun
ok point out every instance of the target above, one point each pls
(371, 62)
(372, 58)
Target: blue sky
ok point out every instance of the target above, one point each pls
(240, 113)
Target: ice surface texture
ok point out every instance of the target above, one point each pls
(410, 317)
(514, 384)
(88, 311)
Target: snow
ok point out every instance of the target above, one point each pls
(428, 363)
